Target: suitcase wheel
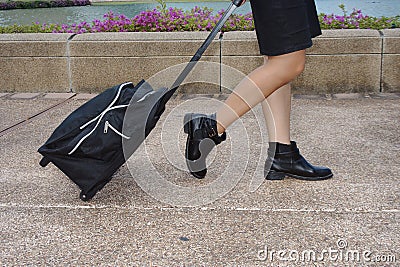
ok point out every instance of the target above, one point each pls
(44, 162)
(83, 196)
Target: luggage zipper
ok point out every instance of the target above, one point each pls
(108, 125)
(98, 119)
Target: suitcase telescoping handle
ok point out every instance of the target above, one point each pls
(182, 76)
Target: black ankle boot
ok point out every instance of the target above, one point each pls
(202, 137)
(285, 160)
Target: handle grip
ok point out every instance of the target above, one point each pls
(238, 3)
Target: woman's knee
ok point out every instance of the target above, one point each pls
(291, 65)
(299, 65)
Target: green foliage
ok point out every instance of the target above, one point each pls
(33, 28)
(163, 6)
(10, 4)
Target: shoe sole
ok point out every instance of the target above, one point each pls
(274, 175)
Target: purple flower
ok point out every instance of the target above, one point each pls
(197, 19)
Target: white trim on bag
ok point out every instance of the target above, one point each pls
(100, 117)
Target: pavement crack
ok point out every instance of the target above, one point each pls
(196, 209)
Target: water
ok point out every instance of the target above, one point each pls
(69, 15)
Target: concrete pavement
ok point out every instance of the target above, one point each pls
(349, 220)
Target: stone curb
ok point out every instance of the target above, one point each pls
(84, 96)
(28, 96)
(58, 95)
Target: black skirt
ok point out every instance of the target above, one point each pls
(284, 26)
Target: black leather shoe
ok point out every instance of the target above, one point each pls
(285, 160)
(202, 137)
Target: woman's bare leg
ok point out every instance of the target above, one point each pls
(276, 109)
(276, 72)
(268, 83)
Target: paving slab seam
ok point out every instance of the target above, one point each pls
(180, 96)
(204, 209)
(34, 116)
(381, 80)
(342, 96)
(69, 69)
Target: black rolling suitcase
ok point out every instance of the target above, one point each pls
(92, 143)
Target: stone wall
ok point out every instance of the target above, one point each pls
(341, 61)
